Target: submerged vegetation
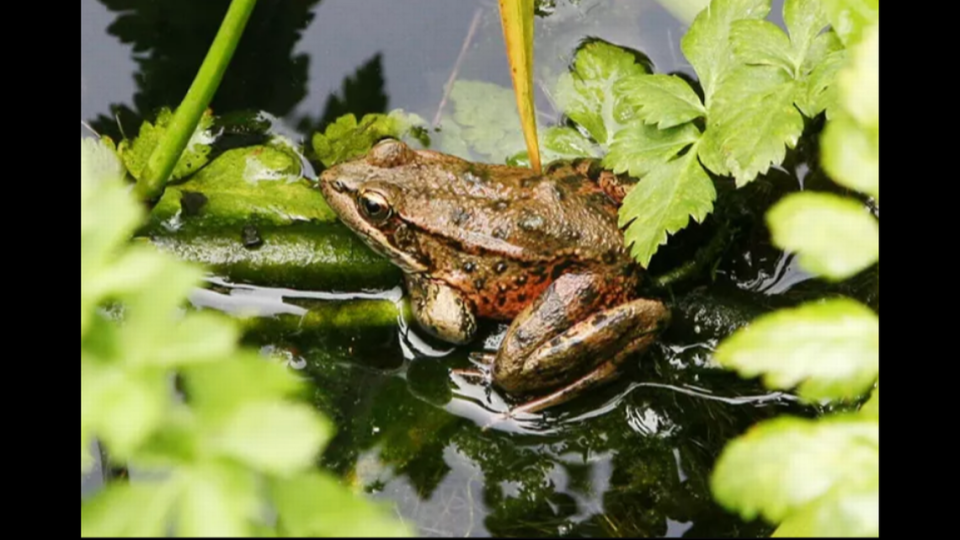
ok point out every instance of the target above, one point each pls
(221, 440)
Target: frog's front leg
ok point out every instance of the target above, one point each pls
(441, 310)
(567, 339)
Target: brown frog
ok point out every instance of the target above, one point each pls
(503, 243)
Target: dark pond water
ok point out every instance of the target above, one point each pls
(632, 459)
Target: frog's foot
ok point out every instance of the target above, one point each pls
(441, 310)
(484, 358)
(605, 373)
(470, 373)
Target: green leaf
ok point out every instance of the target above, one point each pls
(831, 349)
(201, 337)
(641, 148)
(664, 100)
(566, 142)
(872, 406)
(485, 118)
(762, 43)
(128, 510)
(842, 513)
(586, 94)
(218, 388)
(820, 89)
(805, 20)
(274, 437)
(851, 17)
(256, 185)
(834, 236)
(122, 408)
(751, 123)
(860, 81)
(706, 44)
(98, 164)
(850, 156)
(217, 501)
(782, 465)
(137, 152)
(315, 505)
(108, 216)
(150, 315)
(86, 457)
(663, 202)
(347, 139)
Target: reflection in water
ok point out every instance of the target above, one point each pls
(171, 38)
(630, 459)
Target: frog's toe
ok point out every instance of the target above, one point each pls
(484, 358)
(470, 373)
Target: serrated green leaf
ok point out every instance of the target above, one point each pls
(150, 315)
(316, 505)
(805, 20)
(217, 502)
(107, 217)
(762, 43)
(218, 388)
(851, 17)
(641, 148)
(820, 91)
(872, 406)
(566, 142)
(663, 202)
(782, 465)
(830, 349)
(850, 157)
(834, 237)
(122, 408)
(859, 81)
(842, 513)
(706, 44)
(128, 510)
(586, 93)
(274, 437)
(98, 164)
(664, 100)
(201, 337)
(348, 139)
(136, 153)
(751, 123)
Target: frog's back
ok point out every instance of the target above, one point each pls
(512, 212)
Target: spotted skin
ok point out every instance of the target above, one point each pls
(497, 242)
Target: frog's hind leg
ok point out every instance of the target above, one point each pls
(596, 345)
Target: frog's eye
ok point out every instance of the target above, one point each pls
(374, 206)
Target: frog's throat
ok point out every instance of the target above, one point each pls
(379, 243)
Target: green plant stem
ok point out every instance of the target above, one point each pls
(164, 158)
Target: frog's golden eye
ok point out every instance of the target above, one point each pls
(374, 206)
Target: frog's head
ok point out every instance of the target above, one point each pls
(365, 194)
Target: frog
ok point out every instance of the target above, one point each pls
(544, 253)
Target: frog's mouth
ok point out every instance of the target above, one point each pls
(342, 199)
